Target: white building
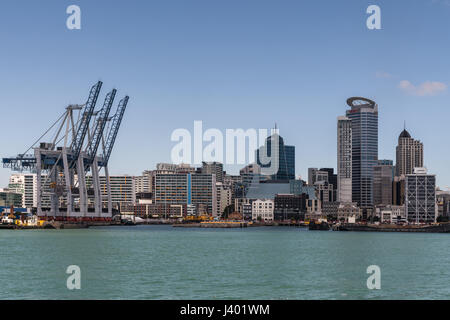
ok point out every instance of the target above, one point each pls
(393, 214)
(26, 185)
(263, 209)
(224, 197)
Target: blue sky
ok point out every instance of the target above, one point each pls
(232, 64)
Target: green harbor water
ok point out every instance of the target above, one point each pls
(162, 262)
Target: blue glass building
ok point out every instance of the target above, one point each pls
(284, 154)
(364, 118)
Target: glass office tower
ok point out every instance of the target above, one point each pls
(285, 155)
(364, 117)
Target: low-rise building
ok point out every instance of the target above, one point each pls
(262, 210)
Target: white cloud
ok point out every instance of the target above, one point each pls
(428, 88)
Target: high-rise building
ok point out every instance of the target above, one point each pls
(122, 190)
(283, 157)
(364, 117)
(213, 168)
(344, 159)
(187, 188)
(224, 197)
(409, 154)
(420, 199)
(383, 175)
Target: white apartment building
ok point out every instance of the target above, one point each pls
(263, 209)
(224, 197)
(26, 185)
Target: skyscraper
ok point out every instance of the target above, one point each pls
(284, 155)
(409, 154)
(364, 117)
(383, 175)
(344, 159)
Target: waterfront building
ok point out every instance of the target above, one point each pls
(26, 185)
(241, 203)
(122, 190)
(348, 212)
(289, 207)
(9, 198)
(364, 118)
(262, 210)
(187, 188)
(420, 197)
(344, 159)
(443, 203)
(284, 156)
(247, 211)
(330, 210)
(224, 197)
(409, 154)
(383, 175)
(393, 214)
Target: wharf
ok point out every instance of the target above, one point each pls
(434, 228)
(213, 224)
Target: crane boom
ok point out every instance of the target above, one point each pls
(111, 138)
(77, 143)
(100, 125)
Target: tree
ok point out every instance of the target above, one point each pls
(227, 211)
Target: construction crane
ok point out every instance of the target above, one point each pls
(61, 165)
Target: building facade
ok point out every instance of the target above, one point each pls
(262, 210)
(409, 154)
(289, 207)
(283, 158)
(344, 159)
(364, 118)
(383, 175)
(420, 199)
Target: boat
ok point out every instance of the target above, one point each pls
(319, 226)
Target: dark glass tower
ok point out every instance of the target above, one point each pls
(364, 117)
(285, 155)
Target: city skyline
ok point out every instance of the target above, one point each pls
(198, 71)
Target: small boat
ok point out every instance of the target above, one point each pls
(320, 226)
